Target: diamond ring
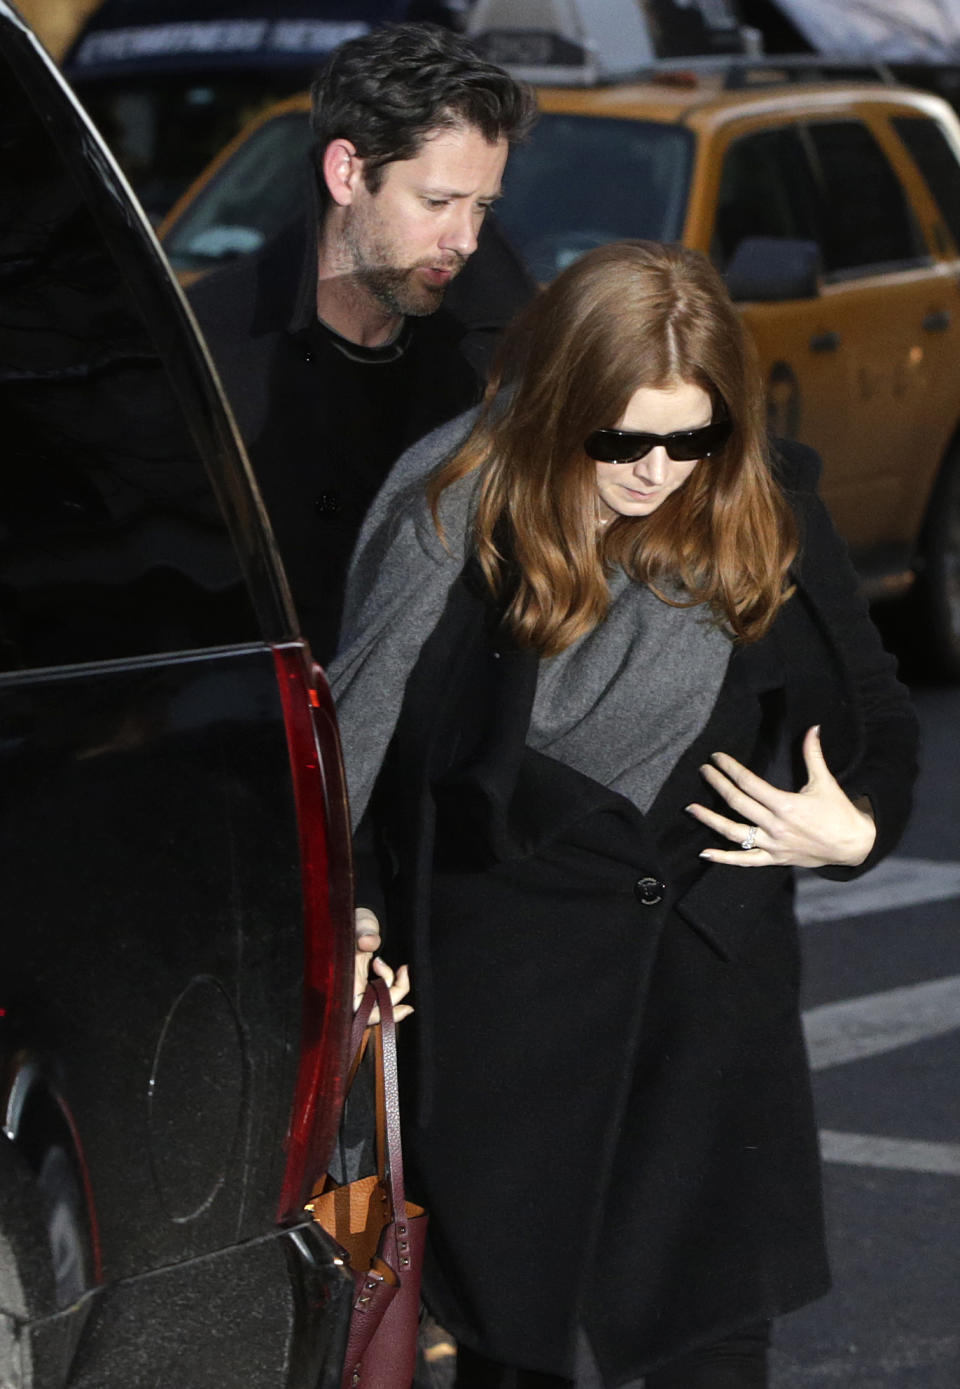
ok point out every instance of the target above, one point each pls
(750, 839)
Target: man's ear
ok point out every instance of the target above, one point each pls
(342, 171)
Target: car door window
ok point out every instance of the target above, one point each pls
(934, 156)
(766, 189)
(867, 223)
(112, 543)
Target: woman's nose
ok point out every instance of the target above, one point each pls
(652, 467)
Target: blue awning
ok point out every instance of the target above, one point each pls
(155, 36)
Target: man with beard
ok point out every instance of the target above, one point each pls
(337, 355)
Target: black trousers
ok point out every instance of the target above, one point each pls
(736, 1362)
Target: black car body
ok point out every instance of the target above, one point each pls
(174, 853)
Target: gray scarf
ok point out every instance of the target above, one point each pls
(621, 704)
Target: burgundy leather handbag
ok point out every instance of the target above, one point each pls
(380, 1233)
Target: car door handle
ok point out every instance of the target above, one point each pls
(936, 321)
(825, 342)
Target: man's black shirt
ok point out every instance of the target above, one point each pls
(323, 419)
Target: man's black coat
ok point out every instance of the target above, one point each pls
(609, 1112)
(322, 425)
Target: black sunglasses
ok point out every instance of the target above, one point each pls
(685, 446)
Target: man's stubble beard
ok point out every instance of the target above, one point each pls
(396, 288)
(396, 291)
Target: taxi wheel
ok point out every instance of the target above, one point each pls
(937, 592)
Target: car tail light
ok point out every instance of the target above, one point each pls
(324, 827)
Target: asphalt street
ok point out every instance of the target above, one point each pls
(882, 1013)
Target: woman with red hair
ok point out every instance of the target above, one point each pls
(606, 681)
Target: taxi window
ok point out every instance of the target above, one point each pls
(112, 543)
(164, 128)
(934, 156)
(766, 189)
(867, 224)
(256, 193)
(582, 181)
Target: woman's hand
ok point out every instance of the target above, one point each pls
(810, 828)
(368, 940)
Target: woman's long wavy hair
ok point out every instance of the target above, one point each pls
(623, 316)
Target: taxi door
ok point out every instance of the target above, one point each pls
(895, 306)
(758, 181)
(847, 371)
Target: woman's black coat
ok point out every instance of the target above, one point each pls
(609, 1112)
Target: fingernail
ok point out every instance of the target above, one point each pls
(706, 853)
(816, 730)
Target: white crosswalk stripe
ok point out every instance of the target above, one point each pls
(860, 1027)
(894, 884)
(899, 1154)
(855, 1029)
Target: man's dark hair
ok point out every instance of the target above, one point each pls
(385, 91)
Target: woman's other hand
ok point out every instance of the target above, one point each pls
(810, 828)
(368, 941)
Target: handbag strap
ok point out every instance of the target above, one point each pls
(361, 1019)
(389, 1149)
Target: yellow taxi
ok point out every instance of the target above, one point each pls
(833, 209)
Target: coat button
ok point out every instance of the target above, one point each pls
(649, 891)
(327, 504)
